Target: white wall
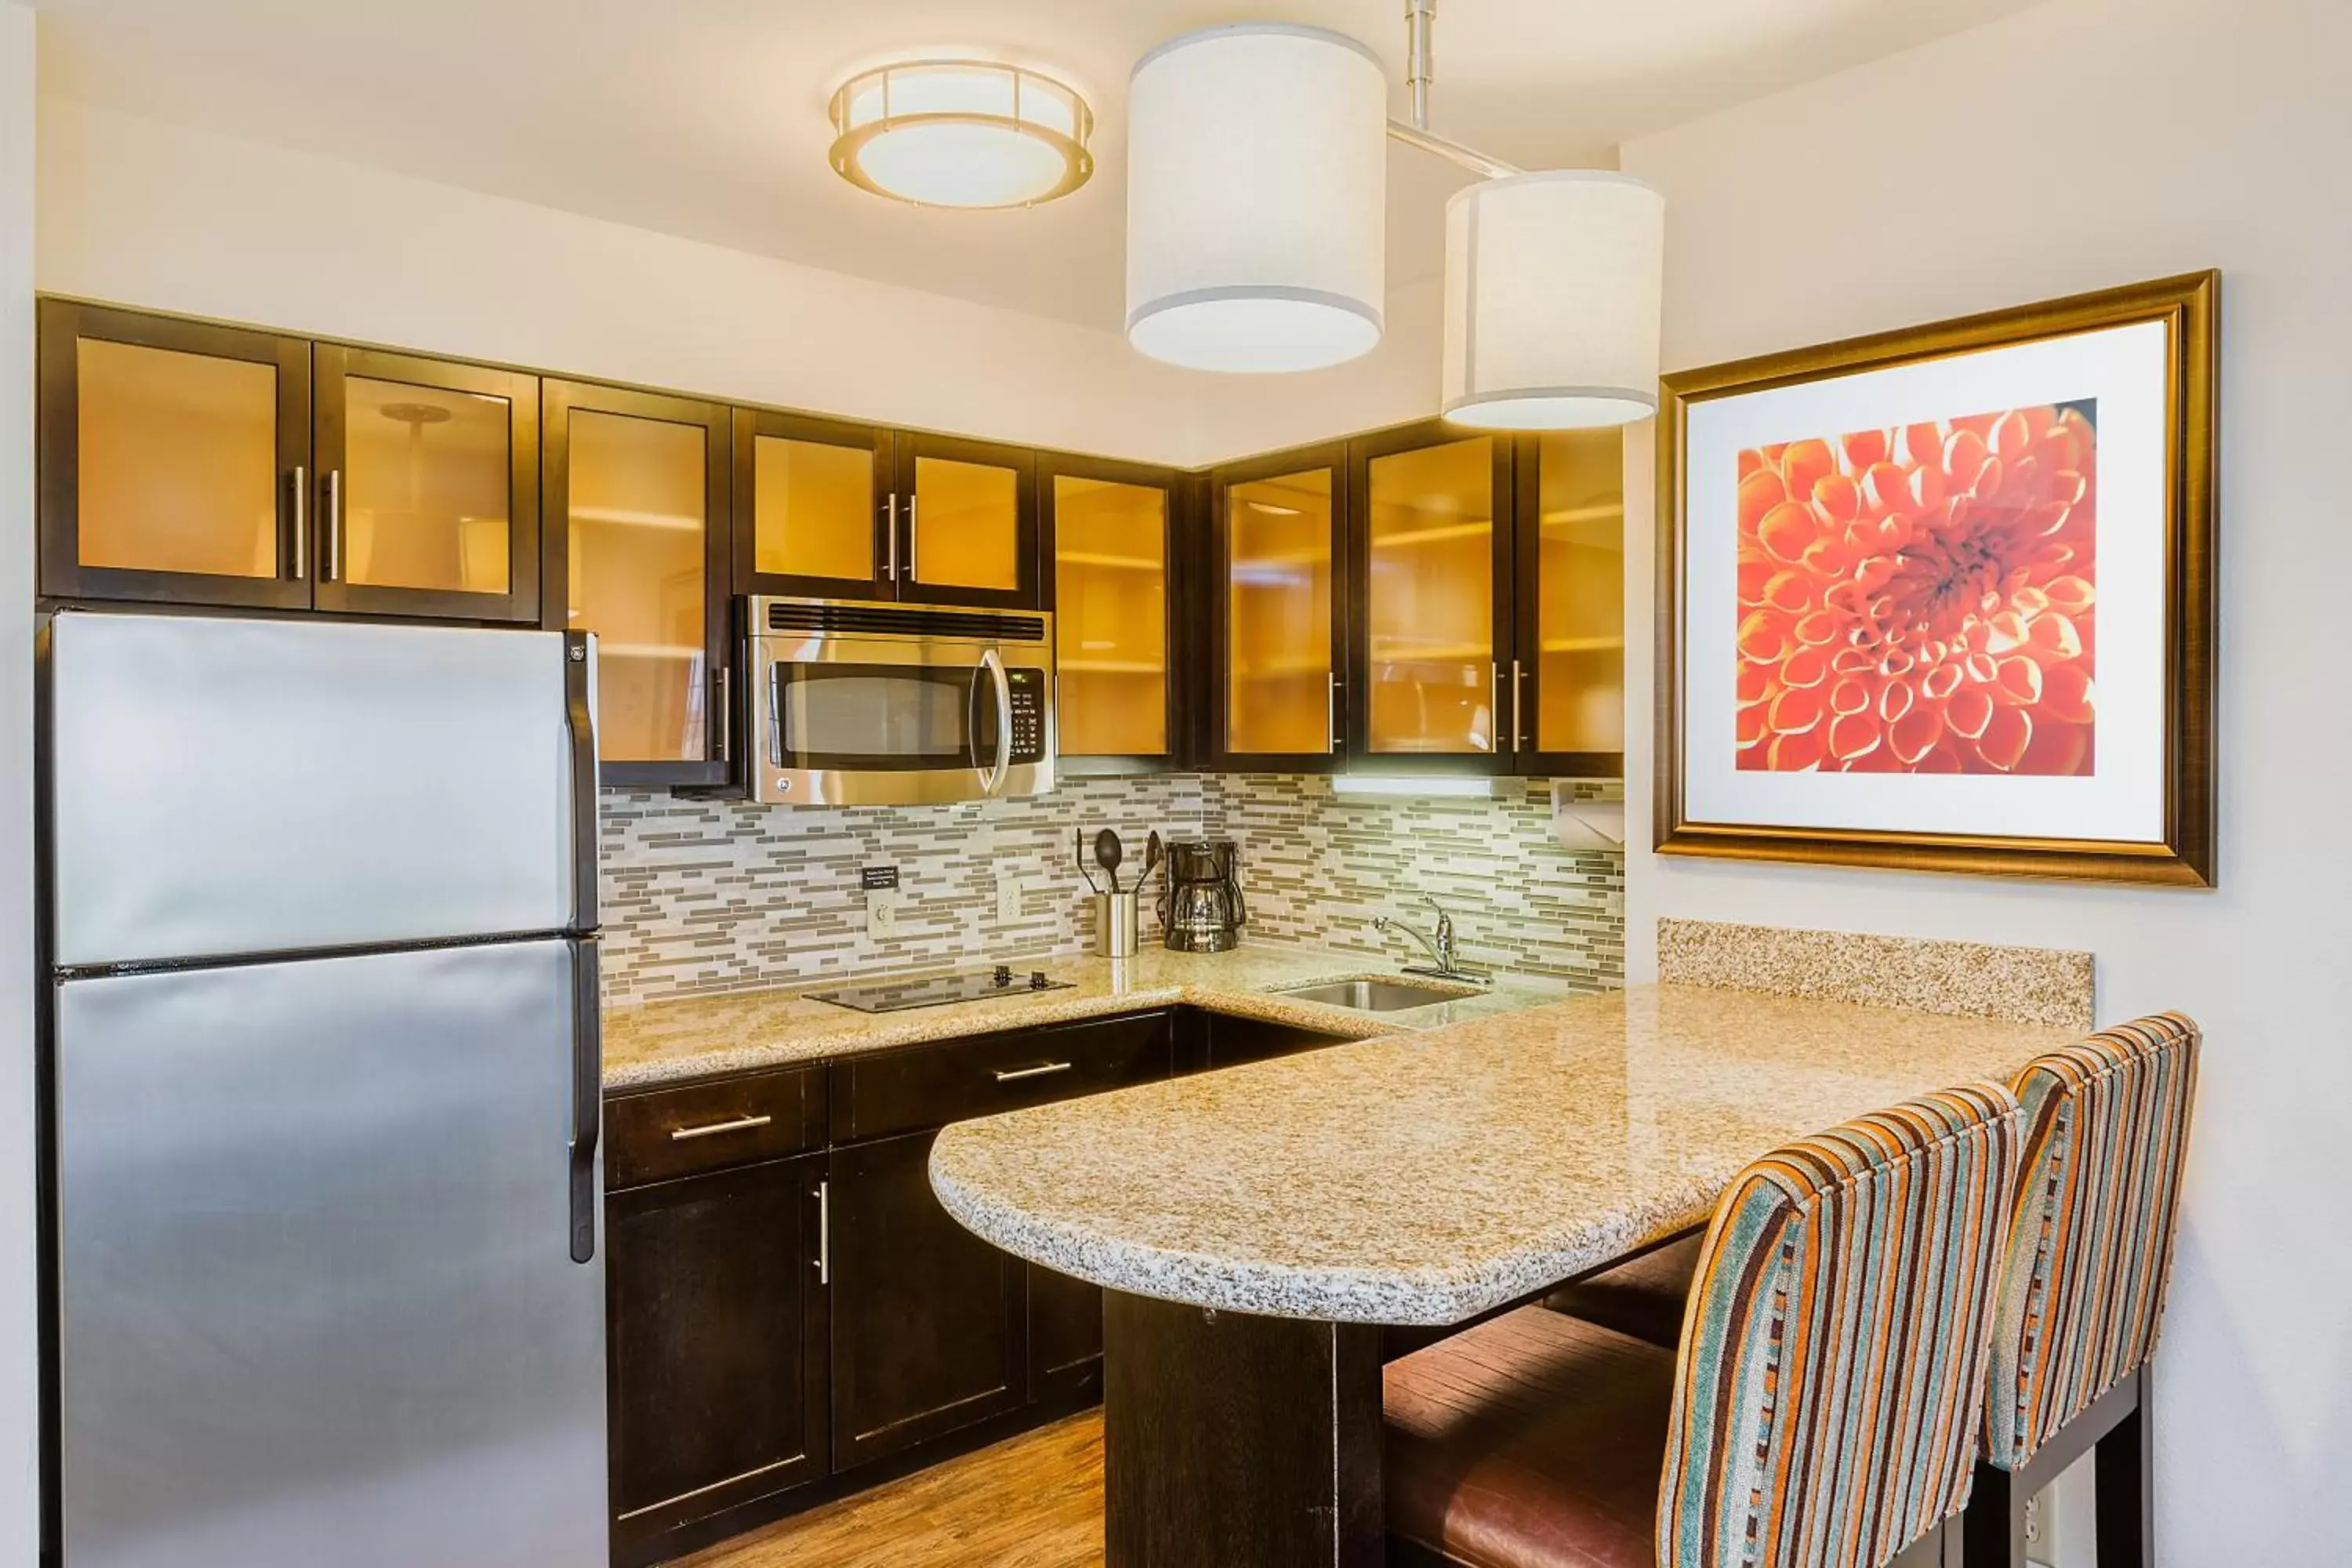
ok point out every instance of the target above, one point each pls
(19, 1399)
(2081, 144)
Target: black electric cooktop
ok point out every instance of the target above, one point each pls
(935, 990)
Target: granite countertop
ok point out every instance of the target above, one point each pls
(702, 1037)
(1423, 1178)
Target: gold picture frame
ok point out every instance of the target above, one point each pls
(2184, 856)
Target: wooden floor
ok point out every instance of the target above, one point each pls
(1030, 1501)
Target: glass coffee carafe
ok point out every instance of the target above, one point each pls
(1200, 907)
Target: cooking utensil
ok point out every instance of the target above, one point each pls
(1150, 859)
(1108, 853)
(1092, 885)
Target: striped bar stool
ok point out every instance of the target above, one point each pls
(2083, 1287)
(1823, 1411)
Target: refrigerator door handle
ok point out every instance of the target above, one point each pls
(587, 1094)
(580, 723)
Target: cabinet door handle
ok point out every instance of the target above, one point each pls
(725, 714)
(301, 519)
(1044, 1070)
(824, 1232)
(1332, 723)
(712, 1129)
(1519, 733)
(890, 531)
(912, 575)
(1494, 707)
(334, 525)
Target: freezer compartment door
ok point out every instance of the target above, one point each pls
(317, 1296)
(227, 787)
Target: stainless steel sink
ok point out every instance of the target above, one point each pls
(1380, 996)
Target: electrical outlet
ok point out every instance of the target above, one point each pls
(2033, 1521)
(1009, 892)
(882, 912)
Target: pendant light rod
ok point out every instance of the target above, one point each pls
(1420, 17)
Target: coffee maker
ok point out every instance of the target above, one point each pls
(1200, 907)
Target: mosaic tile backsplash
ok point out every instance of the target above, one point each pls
(703, 896)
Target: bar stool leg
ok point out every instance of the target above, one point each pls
(1992, 1529)
(2126, 1496)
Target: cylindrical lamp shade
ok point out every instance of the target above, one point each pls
(1256, 199)
(1553, 282)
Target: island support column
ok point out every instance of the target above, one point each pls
(1237, 1441)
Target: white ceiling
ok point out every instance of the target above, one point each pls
(707, 117)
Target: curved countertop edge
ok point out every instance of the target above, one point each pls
(1422, 1298)
(832, 1034)
(1828, 1057)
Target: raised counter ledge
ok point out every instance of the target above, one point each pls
(706, 1036)
(1425, 1177)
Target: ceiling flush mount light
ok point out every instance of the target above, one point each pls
(1553, 282)
(1255, 202)
(1256, 199)
(961, 133)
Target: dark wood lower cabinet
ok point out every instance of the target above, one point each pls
(772, 1348)
(717, 1340)
(928, 1320)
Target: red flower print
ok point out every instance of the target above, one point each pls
(1922, 600)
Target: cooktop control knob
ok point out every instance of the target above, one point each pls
(1037, 981)
(1005, 974)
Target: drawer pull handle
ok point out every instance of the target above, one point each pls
(740, 1124)
(1014, 1075)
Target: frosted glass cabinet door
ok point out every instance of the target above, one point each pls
(817, 515)
(1432, 534)
(174, 460)
(1111, 599)
(1572, 570)
(641, 484)
(1278, 548)
(970, 529)
(428, 487)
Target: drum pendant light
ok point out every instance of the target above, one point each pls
(1552, 285)
(1257, 203)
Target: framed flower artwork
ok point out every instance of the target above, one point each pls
(1943, 598)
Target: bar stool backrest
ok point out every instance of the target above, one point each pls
(1831, 1377)
(2090, 1245)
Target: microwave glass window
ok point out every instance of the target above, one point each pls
(831, 715)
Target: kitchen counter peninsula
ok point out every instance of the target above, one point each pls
(1256, 1226)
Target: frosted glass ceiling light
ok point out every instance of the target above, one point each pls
(961, 133)
(1553, 282)
(1256, 199)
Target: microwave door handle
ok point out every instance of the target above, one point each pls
(993, 780)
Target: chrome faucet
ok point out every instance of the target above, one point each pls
(1439, 945)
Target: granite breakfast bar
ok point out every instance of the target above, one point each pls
(1256, 1228)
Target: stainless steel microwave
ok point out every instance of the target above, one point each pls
(880, 704)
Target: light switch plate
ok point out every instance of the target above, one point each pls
(882, 912)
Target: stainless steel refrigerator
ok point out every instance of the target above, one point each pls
(322, 1054)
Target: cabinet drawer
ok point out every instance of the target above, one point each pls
(930, 1086)
(667, 1132)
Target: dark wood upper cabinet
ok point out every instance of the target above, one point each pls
(968, 523)
(638, 488)
(928, 1320)
(1429, 533)
(1115, 535)
(1276, 614)
(426, 498)
(815, 506)
(174, 460)
(717, 1345)
(1570, 661)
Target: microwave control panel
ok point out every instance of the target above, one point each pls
(1028, 688)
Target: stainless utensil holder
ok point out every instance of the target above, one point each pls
(1118, 920)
